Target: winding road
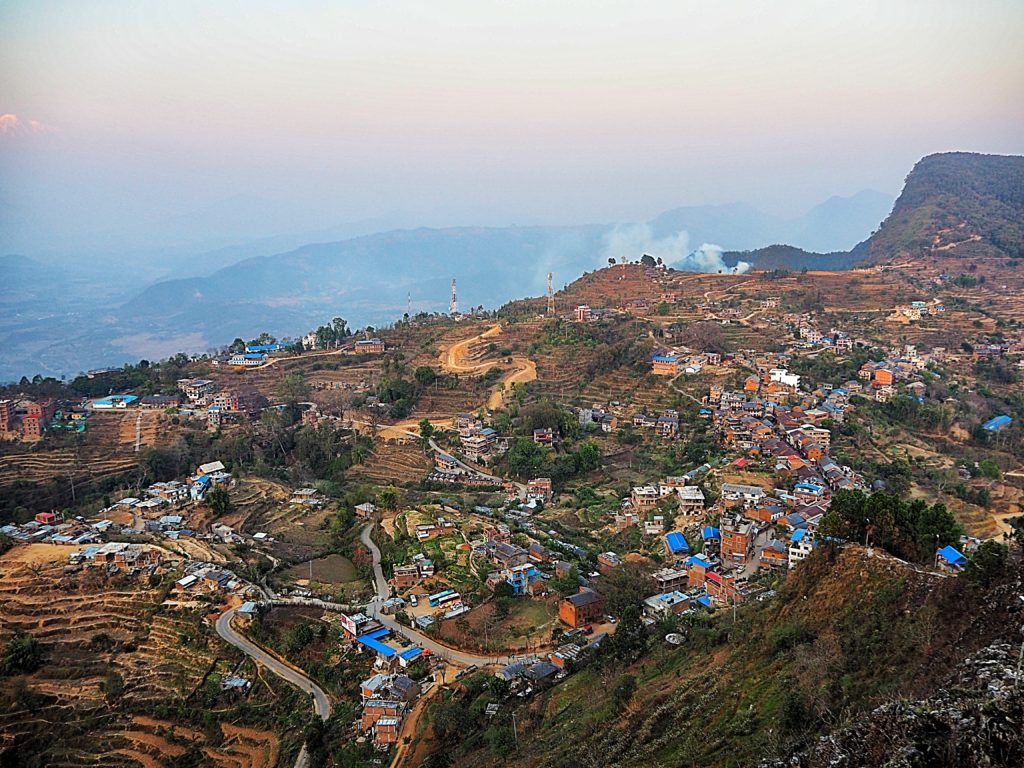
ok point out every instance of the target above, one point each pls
(321, 703)
(383, 589)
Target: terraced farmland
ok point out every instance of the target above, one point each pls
(94, 629)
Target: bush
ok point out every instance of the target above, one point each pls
(784, 637)
(23, 654)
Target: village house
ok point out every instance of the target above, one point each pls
(664, 365)
(584, 607)
(159, 402)
(540, 489)
(382, 718)
(369, 346)
(607, 562)
(670, 579)
(666, 604)
(748, 495)
(440, 527)
(654, 526)
(478, 443)
(505, 555)
(446, 462)
(544, 436)
(800, 546)
(643, 497)
(737, 538)
(196, 390)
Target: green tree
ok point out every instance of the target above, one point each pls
(219, 500)
(389, 498)
(630, 638)
(623, 691)
(23, 654)
(425, 375)
(987, 564)
(294, 388)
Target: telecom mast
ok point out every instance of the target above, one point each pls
(453, 309)
(551, 296)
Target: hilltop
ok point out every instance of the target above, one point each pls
(953, 205)
(960, 202)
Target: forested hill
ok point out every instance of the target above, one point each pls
(955, 204)
(959, 202)
(791, 257)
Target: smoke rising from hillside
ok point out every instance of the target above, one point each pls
(633, 240)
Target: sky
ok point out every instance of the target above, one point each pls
(120, 114)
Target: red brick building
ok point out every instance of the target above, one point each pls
(582, 608)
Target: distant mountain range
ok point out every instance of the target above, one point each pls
(71, 319)
(59, 321)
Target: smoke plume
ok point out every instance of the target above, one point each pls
(631, 241)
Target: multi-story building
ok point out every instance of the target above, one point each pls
(737, 538)
(581, 608)
(664, 365)
(369, 346)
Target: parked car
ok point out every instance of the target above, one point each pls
(588, 630)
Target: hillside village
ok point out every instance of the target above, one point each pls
(519, 537)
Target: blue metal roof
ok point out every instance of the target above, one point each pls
(710, 532)
(704, 600)
(677, 542)
(798, 534)
(952, 556)
(370, 640)
(997, 423)
(410, 653)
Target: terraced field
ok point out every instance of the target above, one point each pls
(394, 463)
(93, 629)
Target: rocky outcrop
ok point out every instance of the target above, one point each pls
(975, 719)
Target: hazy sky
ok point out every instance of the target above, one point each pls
(483, 111)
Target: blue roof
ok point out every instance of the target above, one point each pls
(370, 640)
(710, 532)
(809, 486)
(677, 542)
(264, 347)
(997, 423)
(798, 534)
(705, 600)
(952, 556)
(664, 358)
(697, 560)
(410, 653)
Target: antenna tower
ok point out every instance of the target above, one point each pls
(551, 296)
(408, 304)
(453, 309)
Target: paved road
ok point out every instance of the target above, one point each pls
(381, 585)
(321, 704)
(384, 592)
